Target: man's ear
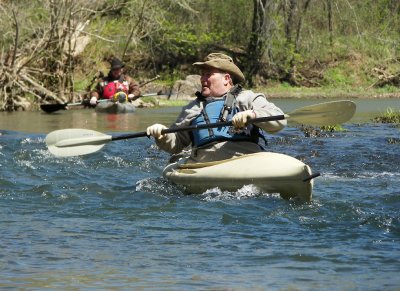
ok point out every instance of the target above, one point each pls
(228, 79)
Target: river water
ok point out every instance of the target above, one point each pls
(109, 221)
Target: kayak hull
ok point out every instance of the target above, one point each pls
(111, 107)
(269, 172)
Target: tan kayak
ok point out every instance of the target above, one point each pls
(269, 172)
(111, 107)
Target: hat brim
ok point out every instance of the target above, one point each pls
(223, 66)
(117, 67)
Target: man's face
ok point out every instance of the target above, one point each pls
(214, 83)
(116, 73)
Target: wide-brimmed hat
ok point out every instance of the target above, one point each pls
(224, 63)
(116, 64)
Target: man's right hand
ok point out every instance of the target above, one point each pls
(93, 101)
(155, 130)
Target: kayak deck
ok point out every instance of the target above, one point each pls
(269, 172)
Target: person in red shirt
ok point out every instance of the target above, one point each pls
(115, 82)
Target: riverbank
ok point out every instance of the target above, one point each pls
(324, 95)
(184, 90)
(274, 92)
(287, 93)
(329, 93)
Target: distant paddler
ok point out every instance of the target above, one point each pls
(116, 86)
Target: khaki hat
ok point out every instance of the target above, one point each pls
(224, 63)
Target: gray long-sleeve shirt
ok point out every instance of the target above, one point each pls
(247, 100)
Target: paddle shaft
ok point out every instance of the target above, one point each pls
(198, 127)
(149, 81)
(74, 142)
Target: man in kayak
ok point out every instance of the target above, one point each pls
(115, 83)
(221, 99)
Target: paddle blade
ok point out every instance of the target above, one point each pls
(328, 113)
(50, 108)
(75, 142)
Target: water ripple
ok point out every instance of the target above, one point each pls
(110, 221)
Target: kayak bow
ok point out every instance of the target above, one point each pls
(269, 172)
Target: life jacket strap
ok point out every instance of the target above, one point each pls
(206, 118)
(230, 102)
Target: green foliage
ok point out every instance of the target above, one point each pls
(332, 128)
(390, 116)
(338, 77)
(163, 102)
(177, 42)
(111, 43)
(30, 16)
(81, 84)
(323, 131)
(387, 89)
(285, 85)
(169, 77)
(229, 17)
(150, 100)
(169, 35)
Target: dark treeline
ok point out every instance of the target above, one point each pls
(53, 48)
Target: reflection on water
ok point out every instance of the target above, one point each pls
(40, 122)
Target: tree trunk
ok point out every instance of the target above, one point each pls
(330, 27)
(258, 38)
(293, 41)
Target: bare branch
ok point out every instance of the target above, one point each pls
(15, 39)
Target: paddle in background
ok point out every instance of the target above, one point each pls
(50, 108)
(75, 142)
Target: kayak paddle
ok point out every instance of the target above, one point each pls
(50, 108)
(328, 113)
(75, 142)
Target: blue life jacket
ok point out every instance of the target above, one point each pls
(211, 113)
